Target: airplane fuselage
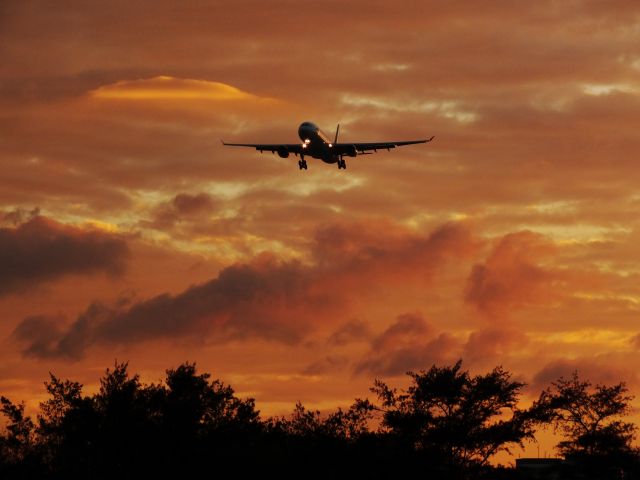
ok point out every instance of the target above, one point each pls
(315, 143)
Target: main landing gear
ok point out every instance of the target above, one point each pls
(342, 163)
(302, 163)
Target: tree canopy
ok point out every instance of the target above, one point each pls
(446, 424)
(590, 418)
(451, 415)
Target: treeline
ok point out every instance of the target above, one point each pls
(446, 424)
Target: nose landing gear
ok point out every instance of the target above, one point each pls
(302, 163)
(342, 163)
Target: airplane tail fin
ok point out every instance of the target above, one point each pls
(337, 131)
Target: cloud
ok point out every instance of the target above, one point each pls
(351, 332)
(40, 332)
(186, 204)
(266, 298)
(493, 344)
(410, 343)
(182, 207)
(596, 371)
(511, 277)
(414, 356)
(18, 216)
(41, 250)
(330, 363)
(169, 88)
(407, 344)
(390, 250)
(406, 328)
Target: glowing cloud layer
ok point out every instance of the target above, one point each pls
(169, 88)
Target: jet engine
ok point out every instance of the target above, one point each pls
(283, 152)
(351, 151)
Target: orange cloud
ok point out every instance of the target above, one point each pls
(595, 370)
(407, 344)
(169, 88)
(511, 277)
(490, 346)
(266, 298)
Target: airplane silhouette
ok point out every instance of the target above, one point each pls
(317, 145)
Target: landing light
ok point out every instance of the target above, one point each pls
(330, 145)
(307, 141)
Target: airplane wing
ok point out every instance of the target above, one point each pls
(270, 147)
(345, 148)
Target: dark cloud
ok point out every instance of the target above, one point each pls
(413, 356)
(330, 363)
(266, 299)
(407, 344)
(410, 343)
(18, 216)
(41, 250)
(185, 204)
(350, 332)
(182, 207)
(40, 332)
(275, 300)
(406, 327)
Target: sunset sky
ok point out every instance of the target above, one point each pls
(127, 231)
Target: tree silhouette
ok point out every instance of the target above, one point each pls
(353, 424)
(347, 425)
(67, 427)
(196, 403)
(341, 437)
(130, 429)
(202, 419)
(590, 419)
(456, 419)
(446, 424)
(16, 445)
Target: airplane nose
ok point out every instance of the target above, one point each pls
(306, 129)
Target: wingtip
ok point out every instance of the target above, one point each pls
(431, 138)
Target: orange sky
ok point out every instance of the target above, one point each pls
(127, 231)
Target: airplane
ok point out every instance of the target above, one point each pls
(317, 145)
